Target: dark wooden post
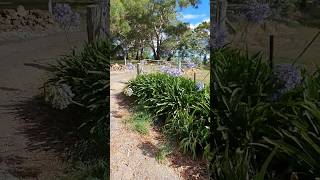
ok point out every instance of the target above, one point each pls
(91, 22)
(271, 46)
(138, 68)
(194, 77)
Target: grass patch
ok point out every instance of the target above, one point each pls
(88, 171)
(164, 151)
(141, 122)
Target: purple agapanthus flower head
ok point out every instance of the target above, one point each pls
(199, 86)
(65, 16)
(257, 12)
(175, 72)
(164, 69)
(289, 75)
(130, 66)
(191, 65)
(171, 71)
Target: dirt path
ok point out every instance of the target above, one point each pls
(30, 144)
(132, 156)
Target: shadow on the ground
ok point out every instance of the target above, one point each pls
(123, 101)
(45, 128)
(15, 167)
(9, 89)
(39, 66)
(148, 149)
(192, 168)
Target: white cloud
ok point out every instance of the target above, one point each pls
(192, 26)
(192, 16)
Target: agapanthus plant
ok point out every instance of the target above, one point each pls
(199, 86)
(289, 75)
(257, 12)
(59, 95)
(191, 65)
(128, 91)
(65, 16)
(130, 66)
(171, 71)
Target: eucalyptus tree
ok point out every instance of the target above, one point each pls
(163, 24)
(127, 23)
(146, 24)
(202, 33)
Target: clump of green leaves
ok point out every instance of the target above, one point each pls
(177, 103)
(88, 171)
(164, 150)
(141, 122)
(254, 134)
(87, 76)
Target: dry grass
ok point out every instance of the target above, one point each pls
(289, 41)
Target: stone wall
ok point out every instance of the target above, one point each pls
(25, 20)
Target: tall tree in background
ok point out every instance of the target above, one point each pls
(161, 15)
(138, 25)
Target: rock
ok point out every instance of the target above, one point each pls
(16, 22)
(7, 22)
(22, 11)
(23, 22)
(39, 13)
(2, 20)
(14, 16)
(8, 13)
(50, 21)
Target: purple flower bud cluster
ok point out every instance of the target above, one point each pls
(191, 65)
(164, 69)
(257, 12)
(289, 75)
(130, 66)
(64, 15)
(171, 71)
(199, 86)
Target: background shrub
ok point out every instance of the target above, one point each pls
(256, 135)
(87, 75)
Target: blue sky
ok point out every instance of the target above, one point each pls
(195, 16)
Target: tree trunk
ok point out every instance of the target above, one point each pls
(137, 55)
(141, 53)
(223, 5)
(104, 19)
(154, 54)
(158, 56)
(158, 53)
